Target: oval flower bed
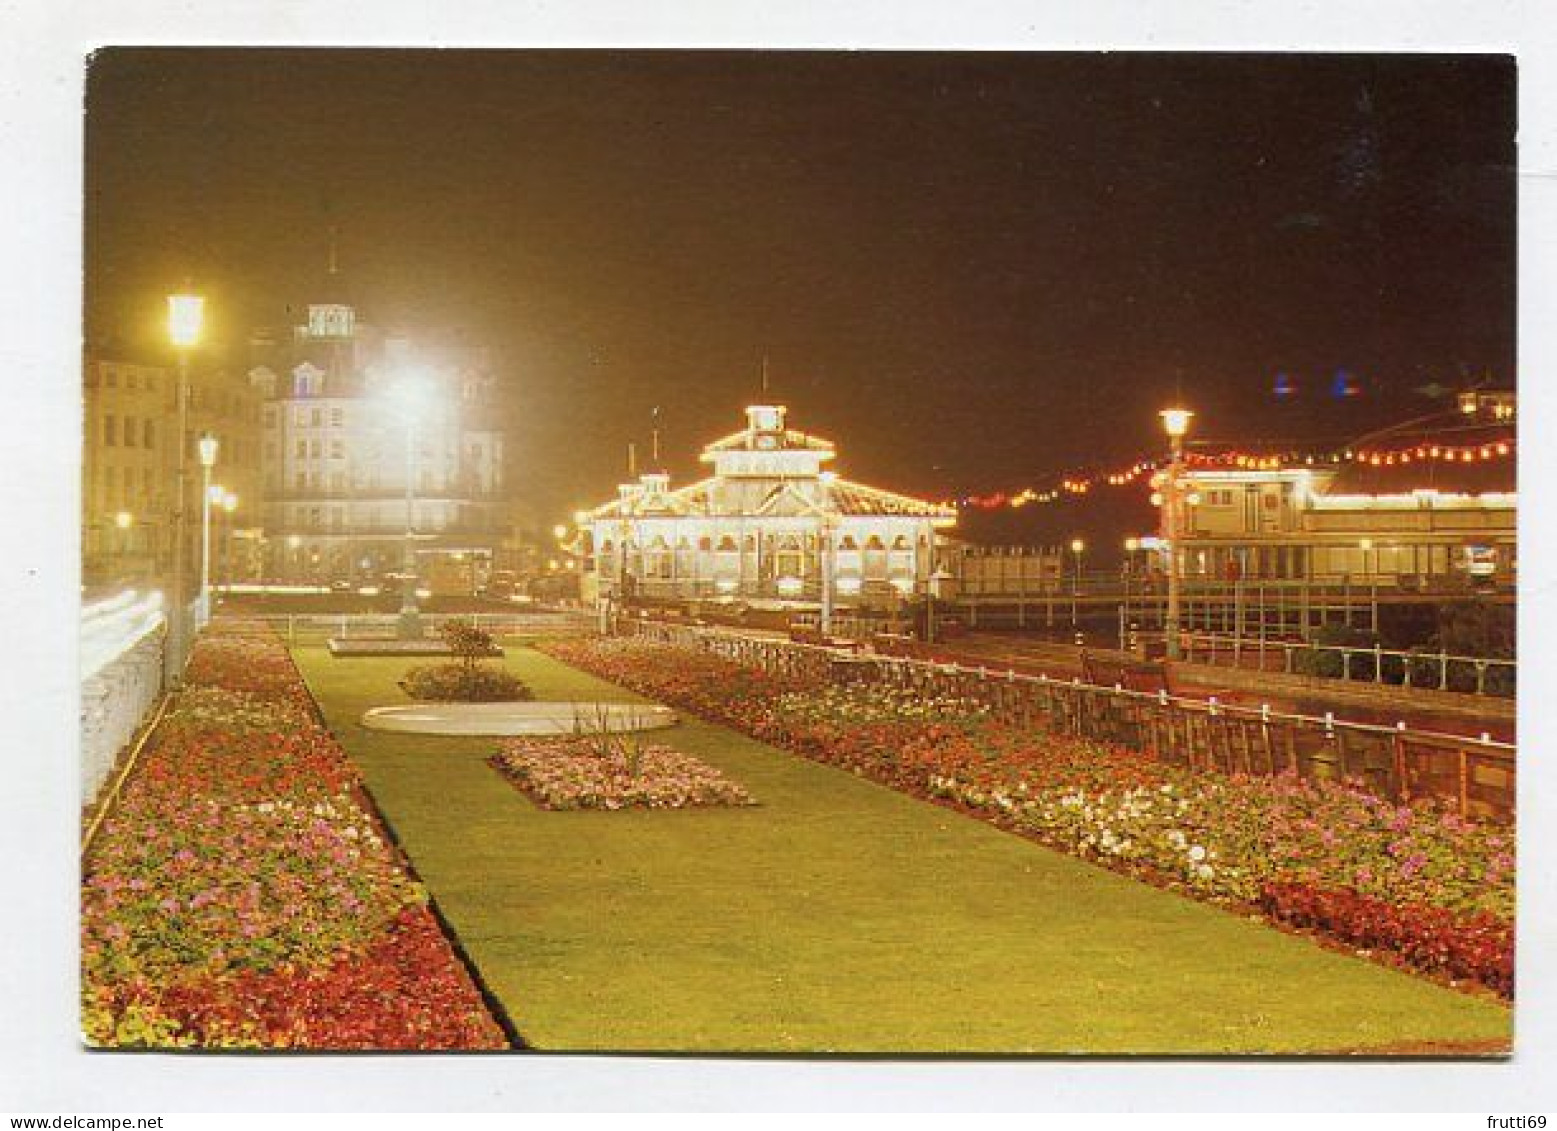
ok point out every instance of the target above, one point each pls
(1416, 883)
(584, 772)
(241, 893)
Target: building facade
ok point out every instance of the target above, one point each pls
(770, 525)
(130, 467)
(349, 468)
(1425, 504)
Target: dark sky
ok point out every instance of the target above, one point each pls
(971, 270)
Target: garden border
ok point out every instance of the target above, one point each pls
(1131, 870)
(494, 1005)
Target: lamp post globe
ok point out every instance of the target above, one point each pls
(186, 318)
(409, 399)
(1175, 421)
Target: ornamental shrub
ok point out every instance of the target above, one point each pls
(464, 683)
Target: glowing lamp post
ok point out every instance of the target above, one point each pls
(1175, 421)
(123, 521)
(186, 316)
(208, 446)
(409, 400)
(1077, 548)
(828, 562)
(229, 504)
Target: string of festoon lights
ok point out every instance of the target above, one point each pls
(1083, 482)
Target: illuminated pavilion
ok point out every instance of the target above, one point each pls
(769, 525)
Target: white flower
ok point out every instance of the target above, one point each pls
(1197, 854)
(1205, 871)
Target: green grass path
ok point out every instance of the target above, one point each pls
(838, 915)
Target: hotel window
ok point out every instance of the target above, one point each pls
(148, 434)
(337, 481)
(315, 449)
(337, 449)
(130, 381)
(313, 516)
(317, 418)
(302, 481)
(337, 417)
(129, 432)
(302, 449)
(110, 432)
(111, 378)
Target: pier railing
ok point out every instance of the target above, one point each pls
(1477, 774)
(1427, 670)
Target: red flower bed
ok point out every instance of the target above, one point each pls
(242, 893)
(405, 990)
(1480, 949)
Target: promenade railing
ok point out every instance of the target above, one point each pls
(1477, 774)
(1428, 670)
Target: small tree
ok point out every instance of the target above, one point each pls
(469, 643)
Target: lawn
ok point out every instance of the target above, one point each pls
(839, 915)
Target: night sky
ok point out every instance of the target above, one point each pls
(970, 270)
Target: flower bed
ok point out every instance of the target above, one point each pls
(581, 773)
(241, 892)
(1324, 856)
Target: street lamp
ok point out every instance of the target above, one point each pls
(229, 503)
(829, 560)
(410, 399)
(1077, 546)
(186, 316)
(1175, 421)
(934, 589)
(123, 521)
(208, 446)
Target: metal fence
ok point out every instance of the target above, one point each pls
(1478, 775)
(383, 626)
(1432, 671)
(123, 641)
